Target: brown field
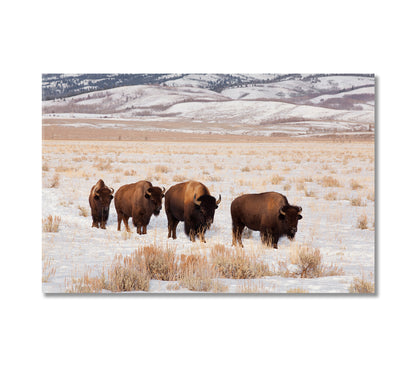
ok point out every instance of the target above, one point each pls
(61, 129)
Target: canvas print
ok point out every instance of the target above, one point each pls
(208, 183)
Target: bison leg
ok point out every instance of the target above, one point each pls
(192, 235)
(275, 239)
(266, 238)
(126, 222)
(144, 230)
(103, 225)
(119, 218)
(237, 232)
(188, 230)
(201, 235)
(172, 228)
(172, 224)
(94, 223)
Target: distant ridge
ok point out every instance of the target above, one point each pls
(55, 86)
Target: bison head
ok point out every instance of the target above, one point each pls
(206, 205)
(103, 196)
(289, 216)
(155, 196)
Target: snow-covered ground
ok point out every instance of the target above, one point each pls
(331, 214)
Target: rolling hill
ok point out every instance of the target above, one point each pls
(266, 104)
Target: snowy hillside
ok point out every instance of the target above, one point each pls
(269, 103)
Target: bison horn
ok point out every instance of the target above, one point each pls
(196, 201)
(219, 200)
(148, 192)
(94, 191)
(282, 212)
(163, 190)
(300, 209)
(112, 190)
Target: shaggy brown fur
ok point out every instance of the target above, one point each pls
(192, 203)
(268, 212)
(100, 200)
(138, 200)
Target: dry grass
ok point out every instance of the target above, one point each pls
(161, 169)
(245, 169)
(309, 264)
(125, 235)
(297, 290)
(276, 179)
(48, 268)
(238, 264)
(197, 274)
(51, 224)
(84, 212)
(329, 182)
(331, 196)
(309, 193)
(362, 222)
(355, 185)
(45, 167)
(214, 178)
(129, 173)
(308, 261)
(179, 178)
(252, 287)
(63, 169)
(87, 284)
(103, 165)
(55, 181)
(134, 272)
(159, 263)
(361, 285)
(300, 186)
(357, 201)
(128, 274)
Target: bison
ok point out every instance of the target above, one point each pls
(100, 200)
(138, 200)
(192, 203)
(268, 212)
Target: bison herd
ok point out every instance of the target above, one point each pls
(191, 202)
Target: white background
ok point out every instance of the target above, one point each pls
(203, 334)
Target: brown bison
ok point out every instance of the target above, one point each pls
(190, 202)
(100, 200)
(138, 200)
(268, 212)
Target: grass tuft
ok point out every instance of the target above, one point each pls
(329, 182)
(361, 285)
(55, 181)
(355, 185)
(161, 169)
(48, 268)
(84, 212)
(159, 263)
(51, 224)
(128, 274)
(276, 179)
(308, 262)
(237, 264)
(363, 222)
